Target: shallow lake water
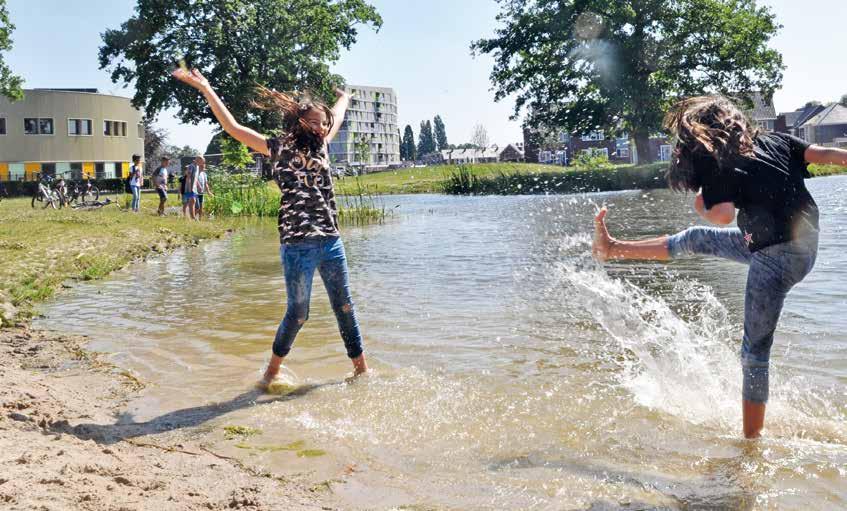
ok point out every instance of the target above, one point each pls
(510, 370)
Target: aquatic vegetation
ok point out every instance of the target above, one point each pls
(231, 432)
(249, 195)
(310, 453)
(464, 182)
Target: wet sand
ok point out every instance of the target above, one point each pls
(65, 445)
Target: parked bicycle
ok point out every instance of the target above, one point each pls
(46, 195)
(82, 193)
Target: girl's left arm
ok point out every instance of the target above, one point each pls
(338, 111)
(719, 214)
(826, 156)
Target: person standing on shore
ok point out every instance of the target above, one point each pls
(201, 187)
(161, 181)
(189, 197)
(730, 165)
(308, 213)
(136, 179)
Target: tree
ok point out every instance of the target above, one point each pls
(155, 141)
(426, 140)
(176, 153)
(237, 44)
(362, 149)
(843, 100)
(235, 154)
(408, 151)
(585, 65)
(440, 133)
(11, 86)
(480, 137)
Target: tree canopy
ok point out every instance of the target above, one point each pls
(408, 151)
(480, 137)
(426, 140)
(11, 85)
(584, 65)
(440, 133)
(237, 45)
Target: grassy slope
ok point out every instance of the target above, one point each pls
(40, 249)
(432, 179)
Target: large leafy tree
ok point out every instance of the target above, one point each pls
(582, 65)
(11, 86)
(237, 44)
(408, 151)
(426, 139)
(440, 133)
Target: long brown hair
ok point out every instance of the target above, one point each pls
(293, 107)
(710, 128)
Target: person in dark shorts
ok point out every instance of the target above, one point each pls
(308, 213)
(160, 180)
(731, 166)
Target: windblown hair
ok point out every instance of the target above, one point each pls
(707, 129)
(293, 107)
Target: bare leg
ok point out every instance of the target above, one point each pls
(191, 207)
(605, 247)
(754, 418)
(359, 365)
(271, 372)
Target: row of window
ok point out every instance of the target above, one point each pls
(75, 171)
(76, 127)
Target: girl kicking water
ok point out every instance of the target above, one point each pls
(308, 214)
(731, 166)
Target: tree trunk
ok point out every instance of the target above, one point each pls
(642, 145)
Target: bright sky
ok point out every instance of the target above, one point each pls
(422, 52)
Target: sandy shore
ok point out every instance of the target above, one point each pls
(64, 445)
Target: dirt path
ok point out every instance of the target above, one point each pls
(63, 445)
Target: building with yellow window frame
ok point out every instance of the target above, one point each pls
(73, 133)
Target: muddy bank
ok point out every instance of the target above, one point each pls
(65, 445)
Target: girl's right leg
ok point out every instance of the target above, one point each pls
(711, 241)
(299, 261)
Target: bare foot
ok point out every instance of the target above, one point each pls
(602, 241)
(270, 373)
(359, 365)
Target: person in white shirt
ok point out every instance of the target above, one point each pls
(201, 186)
(135, 180)
(161, 181)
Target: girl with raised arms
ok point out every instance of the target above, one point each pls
(731, 166)
(308, 214)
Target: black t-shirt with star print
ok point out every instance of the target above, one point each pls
(768, 189)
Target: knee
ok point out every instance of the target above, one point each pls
(298, 313)
(347, 308)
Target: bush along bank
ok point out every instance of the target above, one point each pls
(462, 181)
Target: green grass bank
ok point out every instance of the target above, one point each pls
(519, 179)
(41, 249)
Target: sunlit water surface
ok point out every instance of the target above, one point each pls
(510, 371)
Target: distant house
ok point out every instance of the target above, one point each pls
(826, 127)
(469, 156)
(790, 122)
(762, 113)
(511, 153)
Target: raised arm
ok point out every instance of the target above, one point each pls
(719, 214)
(826, 155)
(338, 111)
(252, 139)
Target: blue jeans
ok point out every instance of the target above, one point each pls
(136, 197)
(773, 272)
(299, 262)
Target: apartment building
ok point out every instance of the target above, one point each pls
(369, 134)
(68, 132)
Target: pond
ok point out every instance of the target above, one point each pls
(510, 370)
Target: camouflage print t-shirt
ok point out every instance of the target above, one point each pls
(307, 209)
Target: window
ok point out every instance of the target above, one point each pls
(48, 169)
(17, 172)
(665, 153)
(79, 127)
(99, 171)
(2, 125)
(114, 128)
(596, 151)
(140, 130)
(38, 126)
(594, 136)
(76, 171)
(564, 137)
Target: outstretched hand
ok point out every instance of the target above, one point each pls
(193, 78)
(341, 93)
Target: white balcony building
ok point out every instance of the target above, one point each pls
(369, 134)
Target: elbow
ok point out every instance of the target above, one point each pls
(721, 218)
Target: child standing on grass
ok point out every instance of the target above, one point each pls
(308, 214)
(731, 166)
(136, 179)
